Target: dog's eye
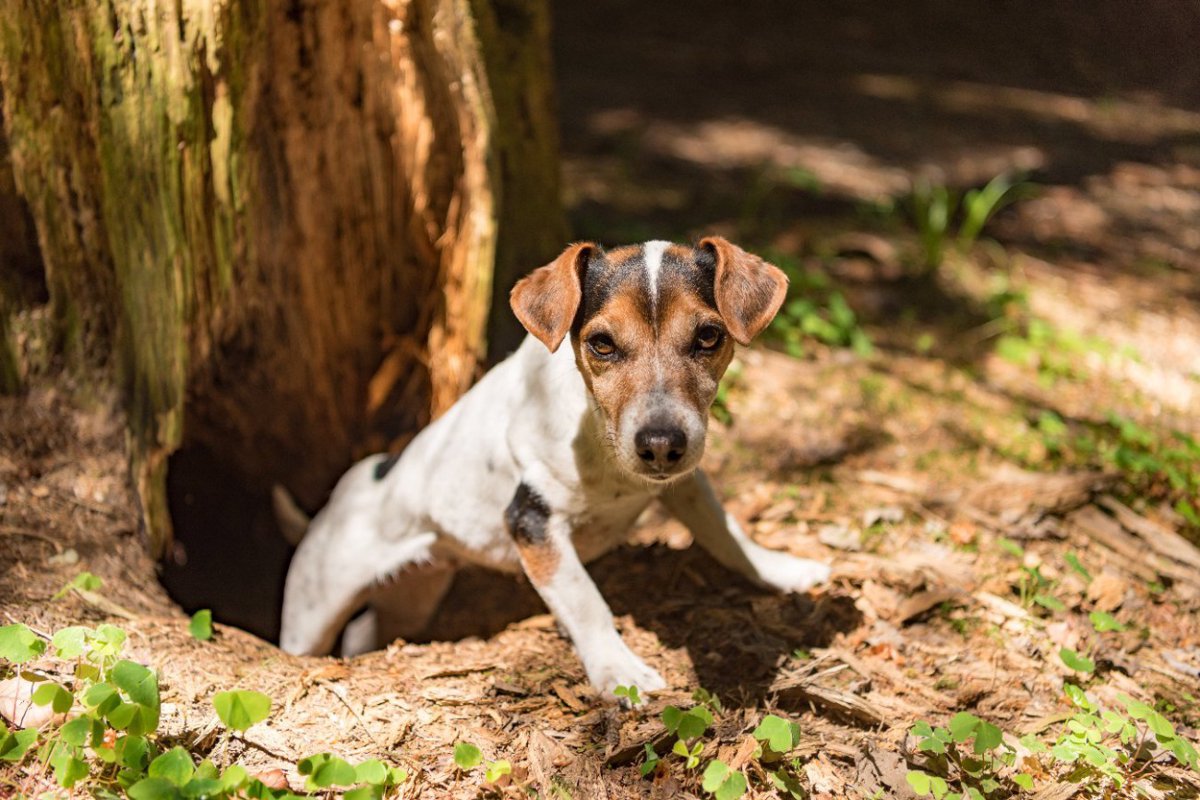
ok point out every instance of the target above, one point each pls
(709, 337)
(602, 345)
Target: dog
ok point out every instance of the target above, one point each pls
(547, 462)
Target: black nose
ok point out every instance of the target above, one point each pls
(661, 447)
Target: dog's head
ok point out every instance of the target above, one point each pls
(652, 327)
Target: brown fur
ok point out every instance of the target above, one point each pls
(540, 561)
(749, 291)
(680, 312)
(545, 301)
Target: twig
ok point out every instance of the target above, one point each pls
(328, 687)
(251, 743)
(104, 604)
(42, 634)
(8, 530)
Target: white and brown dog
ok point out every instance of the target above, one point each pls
(546, 463)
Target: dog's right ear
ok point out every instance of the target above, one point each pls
(547, 299)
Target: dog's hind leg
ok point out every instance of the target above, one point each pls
(343, 558)
(402, 608)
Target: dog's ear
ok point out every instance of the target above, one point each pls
(748, 290)
(546, 300)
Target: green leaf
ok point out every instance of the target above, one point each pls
(69, 768)
(325, 770)
(202, 787)
(200, 625)
(153, 789)
(1103, 622)
(987, 737)
(84, 580)
(242, 708)
(107, 641)
(651, 760)
(371, 771)
(233, 777)
(102, 697)
(1075, 661)
(1033, 744)
(19, 644)
(77, 732)
(963, 726)
(53, 695)
(919, 782)
(1078, 697)
(779, 734)
(694, 723)
(733, 787)
(671, 716)
(497, 770)
(1074, 563)
(175, 765)
(1049, 602)
(364, 793)
(69, 643)
(14, 746)
(1024, 780)
(132, 751)
(714, 775)
(138, 682)
(467, 756)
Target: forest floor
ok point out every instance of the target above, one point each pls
(1005, 478)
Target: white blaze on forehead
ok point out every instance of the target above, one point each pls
(652, 254)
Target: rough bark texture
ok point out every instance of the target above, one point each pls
(21, 280)
(274, 219)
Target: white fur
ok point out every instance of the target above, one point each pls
(530, 420)
(652, 253)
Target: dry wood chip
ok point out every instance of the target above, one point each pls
(1107, 591)
(919, 603)
(569, 698)
(1164, 541)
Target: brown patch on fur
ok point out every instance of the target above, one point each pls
(545, 301)
(748, 290)
(540, 561)
(615, 383)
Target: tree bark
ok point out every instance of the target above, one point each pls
(273, 221)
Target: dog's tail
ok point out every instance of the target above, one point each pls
(293, 522)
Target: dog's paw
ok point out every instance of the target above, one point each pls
(786, 573)
(622, 667)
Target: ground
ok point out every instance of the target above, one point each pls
(1002, 466)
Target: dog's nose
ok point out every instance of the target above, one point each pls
(661, 447)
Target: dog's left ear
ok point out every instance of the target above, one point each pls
(546, 300)
(748, 290)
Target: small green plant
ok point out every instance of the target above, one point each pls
(1111, 750)
(722, 782)
(200, 625)
(84, 581)
(630, 694)
(108, 744)
(814, 310)
(967, 759)
(1156, 465)
(935, 208)
(467, 756)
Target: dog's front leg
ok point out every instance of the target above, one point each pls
(543, 540)
(692, 501)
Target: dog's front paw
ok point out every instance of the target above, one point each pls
(621, 667)
(786, 573)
